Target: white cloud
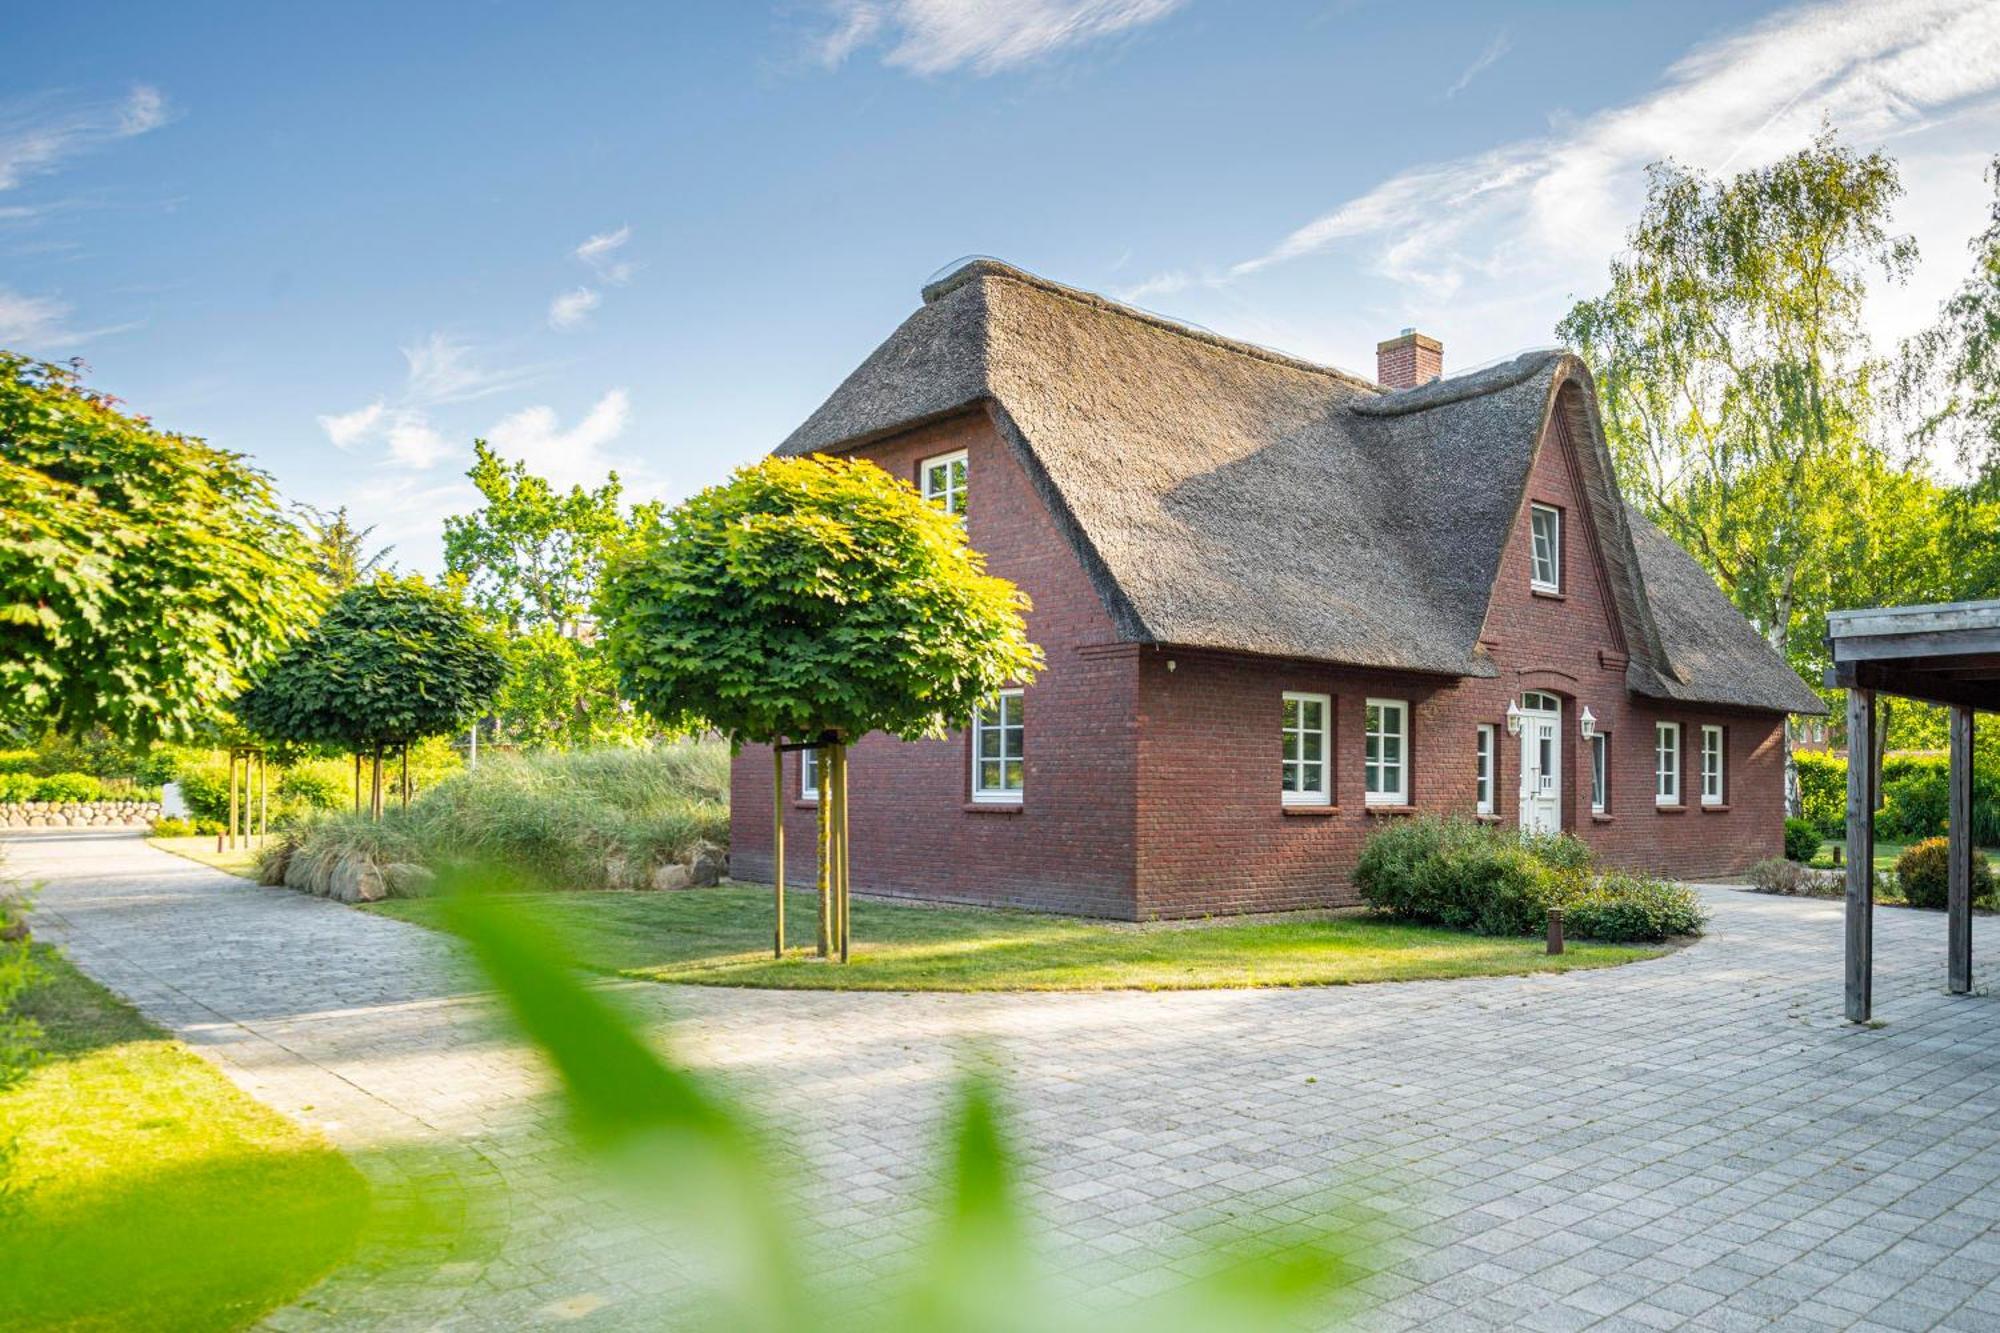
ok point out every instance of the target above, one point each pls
(347, 429)
(40, 325)
(1485, 60)
(1494, 245)
(414, 443)
(569, 457)
(938, 36)
(36, 134)
(446, 369)
(570, 309)
(601, 253)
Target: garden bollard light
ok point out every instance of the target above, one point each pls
(1555, 930)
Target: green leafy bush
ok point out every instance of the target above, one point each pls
(1802, 840)
(172, 828)
(69, 787)
(317, 786)
(19, 786)
(17, 761)
(1923, 872)
(1822, 790)
(1622, 906)
(1778, 875)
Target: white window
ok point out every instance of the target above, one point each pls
(1307, 717)
(1483, 770)
(808, 775)
(944, 482)
(1711, 765)
(1666, 763)
(1386, 765)
(1600, 775)
(1545, 524)
(998, 764)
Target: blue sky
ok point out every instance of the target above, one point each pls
(347, 239)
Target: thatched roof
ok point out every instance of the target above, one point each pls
(1226, 496)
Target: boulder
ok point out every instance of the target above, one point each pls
(406, 879)
(670, 877)
(356, 879)
(707, 864)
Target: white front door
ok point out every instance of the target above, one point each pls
(1541, 765)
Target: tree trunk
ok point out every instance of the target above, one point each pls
(375, 785)
(406, 775)
(357, 782)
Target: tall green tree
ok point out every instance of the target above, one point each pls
(144, 575)
(1735, 376)
(530, 554)
(339, 550)
(561, 694)
(1950, 384)
(391, 663)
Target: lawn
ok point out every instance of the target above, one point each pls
(722, 937)
(147, 1189)
(1886, 854)
(240, 861)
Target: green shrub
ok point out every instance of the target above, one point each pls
(69, 787)
(19, 786)
(322, 785)
(1633, 908)
(172, 828)
(1455, 873)
(1802, 840)
(17, 761)
(1822, 790)
(1778, 875)
(1923, 873)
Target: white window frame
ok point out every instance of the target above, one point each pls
(808, 775)
(1666, 763)
(1600, 773)
(1486, 748)
(1012, 718)
(1372, 767)
(1322, 793)
(1553, 582)
(948, 497)
(1713, 747)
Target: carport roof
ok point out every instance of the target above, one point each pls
(1944, 653)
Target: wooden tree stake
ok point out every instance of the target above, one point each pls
(778, 847)
(825, 885)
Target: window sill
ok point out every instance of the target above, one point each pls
(1385, 809)
(1599, 817)
(1672, 808)
(1550, 594)
(802, 804)
(1714, 807)
(1485, 819)
(993, 807)
(1310, 810)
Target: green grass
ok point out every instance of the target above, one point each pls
(201, 847)
(148, 1191)
(1886, 853)
(722, 937)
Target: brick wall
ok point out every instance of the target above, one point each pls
(1068, 845)
(1153, 772)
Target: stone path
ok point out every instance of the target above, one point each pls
(1694, 1142)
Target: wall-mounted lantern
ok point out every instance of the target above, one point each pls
(1588, 721)
(1513, 718)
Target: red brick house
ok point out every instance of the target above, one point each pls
(1281, 604)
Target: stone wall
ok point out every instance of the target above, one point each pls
(77, 814)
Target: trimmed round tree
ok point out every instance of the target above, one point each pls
(813, 600)
(391, 662)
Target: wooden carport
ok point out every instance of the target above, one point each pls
(1947, 654)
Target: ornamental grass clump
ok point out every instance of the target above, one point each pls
(1469, 876)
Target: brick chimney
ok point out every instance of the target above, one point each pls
(1408, 359)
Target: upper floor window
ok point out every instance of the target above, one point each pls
(1482, 773)
(1667, 763)
(1711, 765)
(1386, 765)
(944, 482)
(1600, 773)
(1307, 719)
(999, 761)
(1545, 524)
(808, 775)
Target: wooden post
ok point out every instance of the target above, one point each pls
(357, 782)
(406, 775)
(375, 784)
(1861, 784)
(840, 849)
(234, 755)
(263, 798)
(825, 885)
(846, 862)
(1958, 904)
(778, 847)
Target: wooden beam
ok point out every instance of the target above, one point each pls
(1958, 902)
(1932, 644)
(1861, 783)
(1885, 678)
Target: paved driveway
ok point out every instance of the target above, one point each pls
(1698, 1141)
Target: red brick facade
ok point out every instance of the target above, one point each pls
(1152, 784)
